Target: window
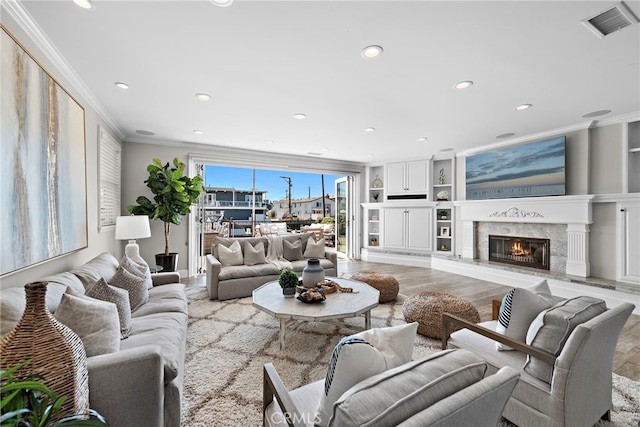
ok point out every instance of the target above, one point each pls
(109, 166)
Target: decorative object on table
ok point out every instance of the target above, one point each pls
(130, 228)
(441, 178)
(288, 281)
(311, 296)
(54, 350)
(374, 241)
(377, 183)
(442, 195)
(174, 194)
(29, 402)
(374, 217)
(312, 273)
(443, 215)
(375, 196)
(444, 248)
(43, 152)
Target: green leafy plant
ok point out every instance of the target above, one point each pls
(30, 403)
(288, 279)
(174, 194)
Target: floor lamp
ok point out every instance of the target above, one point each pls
(130, 228)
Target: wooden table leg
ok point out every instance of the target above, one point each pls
(283, 329)
(367, 319)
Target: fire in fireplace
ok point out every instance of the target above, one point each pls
(524, 251)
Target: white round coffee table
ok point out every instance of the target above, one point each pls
(338, 305)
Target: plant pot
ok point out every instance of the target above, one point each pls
(168, 262)
(289, 292)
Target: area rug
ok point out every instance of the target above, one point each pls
(228, 342)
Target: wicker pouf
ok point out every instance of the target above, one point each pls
(385, 283)
(426, 308)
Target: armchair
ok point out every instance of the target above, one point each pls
(581, 385)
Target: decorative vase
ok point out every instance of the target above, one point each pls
(54, 350)
(377, 183)
(289, 292)
(312, 273)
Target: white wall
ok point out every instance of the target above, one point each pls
(97, 242)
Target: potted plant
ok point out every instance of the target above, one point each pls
(29, 403)
(174, 194)
(288, 281)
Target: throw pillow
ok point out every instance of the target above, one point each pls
(315, 249)
(135, 285)
(550, 330)
(254, 255)
(120, 297)
(352, 361)
(395, 342)
(231, 255)
(142, 267)
(95, 322)
(292, 251)
(519, 308)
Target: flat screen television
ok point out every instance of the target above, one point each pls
(525, 170)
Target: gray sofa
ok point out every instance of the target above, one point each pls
(141, 384)
(236, 281)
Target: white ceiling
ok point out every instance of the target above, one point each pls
(263, 61)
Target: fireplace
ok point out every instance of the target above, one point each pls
(523, 251)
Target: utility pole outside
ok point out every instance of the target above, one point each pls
(288, 180)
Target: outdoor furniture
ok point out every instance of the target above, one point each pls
(338, 305)
(385, 283)
(427, 308)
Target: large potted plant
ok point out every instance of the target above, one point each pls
(174, 194)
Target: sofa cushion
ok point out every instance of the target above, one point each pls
(315, 249)
(164, 299)
(104, 265)
(139, 267)
(346, 369)
(228, 241)
(242, 271)
(168, 330)
(395, 395)
(65, 279)
(254, 254)
(231, 255)
(519, 308)
(135, 285)
(551, 329)
(394, 342)
(95, 322)
(292, 250)
(120, 297)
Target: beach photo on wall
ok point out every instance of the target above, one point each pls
(42, 167)
(526, 170)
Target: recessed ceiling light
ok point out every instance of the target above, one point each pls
(203, 96)
(463, 85)
(122, 85)
(325, 149)
(369, 129)
(145, 132)
(222, 3)
(369, 155)
(371, 52)
(85, 4)
(505, 135)
(300, 116)
(596, 113)
(523, 107)
(422, 138)
(268, 141)
(198, 132)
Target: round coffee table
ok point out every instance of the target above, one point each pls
(338, 305)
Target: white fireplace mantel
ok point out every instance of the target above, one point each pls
(574, 211)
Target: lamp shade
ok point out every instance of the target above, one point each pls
(132, 227)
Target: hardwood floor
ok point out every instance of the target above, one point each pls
(481, 293)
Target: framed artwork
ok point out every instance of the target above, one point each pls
(444, 231)
(42, 167)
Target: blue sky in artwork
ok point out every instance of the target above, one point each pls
(304, 184)
(520, 161)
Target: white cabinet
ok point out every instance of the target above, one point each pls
(444, 228)
(373, 225)
(408, 228)
(628, 232)
(407, 178)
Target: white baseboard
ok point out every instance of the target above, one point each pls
(391, 258)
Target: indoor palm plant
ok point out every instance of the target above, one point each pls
(29, 403)
(174, 194)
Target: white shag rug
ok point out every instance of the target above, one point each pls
(228, 342)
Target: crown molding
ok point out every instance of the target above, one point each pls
(24, 20)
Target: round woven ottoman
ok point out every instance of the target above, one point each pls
(426, 308)
(385, 283)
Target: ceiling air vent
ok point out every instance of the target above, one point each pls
(610, 20)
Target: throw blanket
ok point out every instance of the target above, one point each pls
(275, 253)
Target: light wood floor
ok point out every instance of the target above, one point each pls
(481, 293)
